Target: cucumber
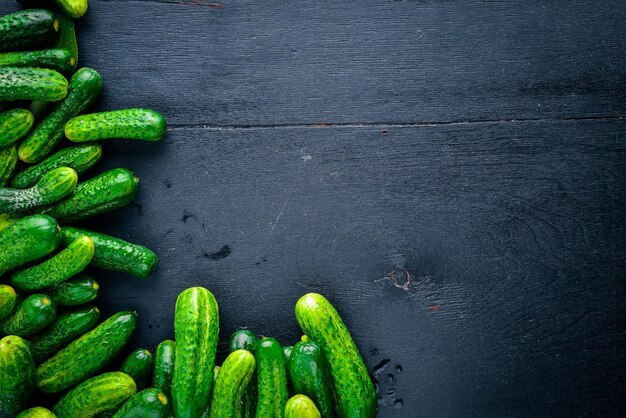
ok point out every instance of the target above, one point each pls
(26, 240)
(244, 339)
(164, 357)
(17, 375)
(108, 191)
(14, 124)
(310, 375)
(138, 365)
(37, 412)
(196, 327)
(355, 392)
(84, 87)
(52, 187)
(287, 350)
(300, 406)
(80, 158)
(57, 59)
(272, 379)
(116, 254)
(27, 28)
(67, 37)
(32, 84)
(98, 394)
(8, 164)
(86, 355)
(31, 316)
(231, 384)
(142, 124)
(57, 269)
(8, 299)
(73, 8)
(149, 403)
(75, 291)
(67, 327)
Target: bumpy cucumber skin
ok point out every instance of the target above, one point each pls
(301, 406)
(231, 383)
(14, 124)
(73, 8)
(67, 327)
(57, 59)
(272, 379)
(31, 316)
(8, 300)
(142, 124)
(57, 269)
(196, 327)
(67, 37)
(84, 87)
(32, 84)
(138, 365)
(164, 357)
(75, 291)
(80, 158)
(310, 375)
(37, 412)
(108, 191)
(98, 394)
(27, 28)
(354, 389)
(17, 375)
(149, 403)
(86, 355)
(244, 339)
(8, 164)
(116, 254)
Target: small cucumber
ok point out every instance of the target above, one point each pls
(300, 406)
(31, 316)
(32, 84)
(75, 291)
(114, 253)
(142, 124)
(164, 357)
(8, 164)
(310, 375)
(149, 403)
(80, 158)
(27, 28)
(37, 412)
(57, 59)
(98, 394)
(86, 355)
(231, 383)
(272, 379)
(244, 339)
(138, 365)
(14, 124)
(84, 87)
(8, 300)
(57, 269)
(67, 327)
(196, 327)
(108, 191)
(67, 37)
(73, 8)
(26, 240)
(17, 375)
(355, 392)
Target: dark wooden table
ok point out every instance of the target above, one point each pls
(471, 150)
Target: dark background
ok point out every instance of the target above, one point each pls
(475, 147)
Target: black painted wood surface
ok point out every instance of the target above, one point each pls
(473, 147)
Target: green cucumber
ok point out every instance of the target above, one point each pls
(310, 375)
(8, 164)
(114, 253)
(244, 339)
(39, 109)
(84, 88)
(57, 59)
(98, 394)
(57, 269)
(164, 357)
(14, 124)
(287, 350)
(17, 375)
(32, 84)
(86, 355)
(300, 406)
(142, 124)
(80, 158)
(37, 412)
(138, 365)
(108, 191)
(8, 300)
(149, 403)
(73, 8)
(354, 389)
(67, 327)
(75, 291)
(27, 28)
(31, 316)
(196, 327)
(231, 383)
(272, 379)
(67, 37)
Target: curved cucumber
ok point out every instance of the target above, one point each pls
(86, 355)
(116, 254)
(244, 339)
(58, 59)
(32, 84)
(196, 327)
(8, 164)
(75, 291)
(272, 379)
(138, 365)
(164, 357)
(31, 316)
(310, 375)
(356, 395)
(73, 8)
(142, 124)
(98, 394)
(14, 124)
(149, 403)
(84, 87)
(80, 158)
(68, 326)
(57, 269)
(108, 191)
(8, 299)
(27, 28)
(37, 412)
(67, 37)
(17, 375)
(231, 384)
(300, 406)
